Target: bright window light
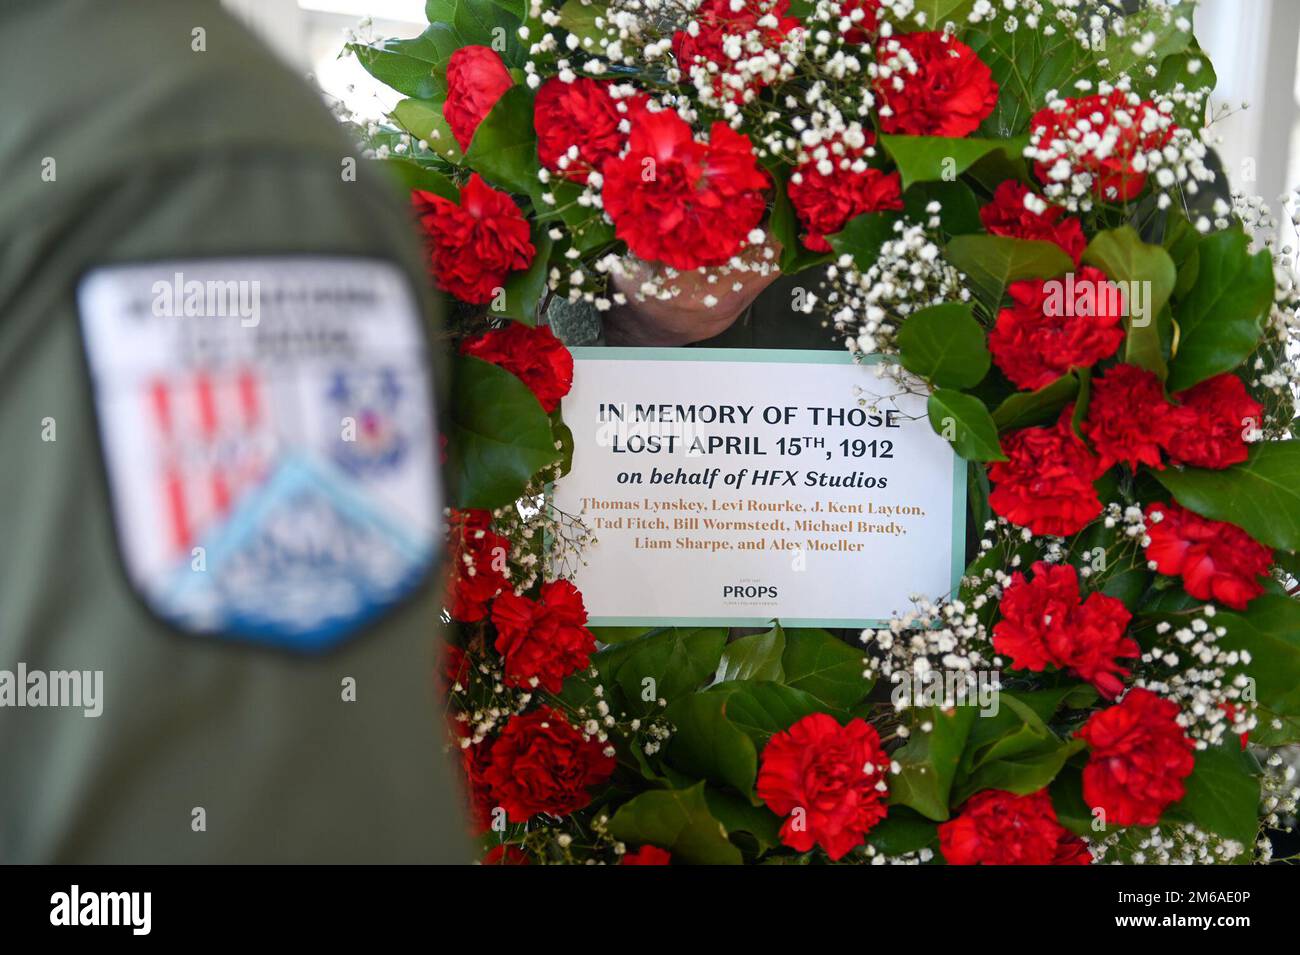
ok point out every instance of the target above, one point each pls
(411, 11)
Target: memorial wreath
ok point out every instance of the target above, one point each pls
(1018, 202)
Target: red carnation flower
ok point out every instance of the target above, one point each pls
(684, 203)
(543, 640)
(830, 780)
(581, 115)
(1217, 560)
(506, 855)
(647, 855)
(1071, 850)
(760, 24)
(475, 245)
(995, 827)
(1139, 757)
(474, 761)
(540, 763)
(1099, 135)
(1046, 482)
(476, 78)
(1045, 624)
(1212, 423)
(532, 354)
(1008, 215)
(455, 668)
(1128, 419)
(832, 184)
(1047, 331)
(932, 84)
(863, 17)
(478, 565)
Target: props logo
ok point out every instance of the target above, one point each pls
(749, 591)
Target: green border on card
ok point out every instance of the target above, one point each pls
(774, 356)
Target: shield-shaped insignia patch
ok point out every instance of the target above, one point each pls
(268, 434)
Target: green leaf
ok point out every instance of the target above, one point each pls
(1176, 69)
(1026, 408)
(1269, 628)
(587, 227)
(1026, 65)
(902, 831)
(993, 262)
(516, 8)
(937, 13)
(1221, 318)
(424, 120)
(412, 175)
(964, 422)
(1181, 240)
(707, 745)
(678, 820)
(619, 634)
(995, 169)
(1288, 562)
(929, 762)
(741, 817)
(1081, 400)
(1067, 799)
(580, 689)
(991, 560)
(480, 23)
(1167, 36)
(945, 345)
(826, 667)
(500, 436)
(959, 210)
(1014, 728)
(1021, 773)
(1222, 795)
(504, 147)
(1286, 732)
(863, 236)
(524, 289)
(1261, 495)
(579, 18)
(761, 709)
(936, 158)
(677, 661)
(755, 657)
(1124, 575)
(413, 67)
(1124, 257)
(785, 227)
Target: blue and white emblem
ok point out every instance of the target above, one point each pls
(374, 400)
(268, 434)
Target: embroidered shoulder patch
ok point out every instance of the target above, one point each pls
(268, 433)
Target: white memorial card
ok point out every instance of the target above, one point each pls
(733, 487)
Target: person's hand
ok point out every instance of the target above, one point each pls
(700, 309)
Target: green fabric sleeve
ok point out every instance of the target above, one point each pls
(163, 152)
